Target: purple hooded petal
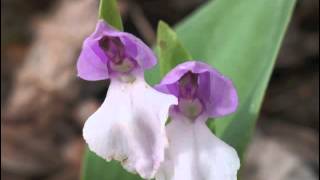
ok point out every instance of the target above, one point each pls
(216, 91)
(102, 28)
(93, 61)
(90, 65)
(139, 51)
(135, 48)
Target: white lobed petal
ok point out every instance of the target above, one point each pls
(130, 126)
(195, 153)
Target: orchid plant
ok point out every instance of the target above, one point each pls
(175, 130)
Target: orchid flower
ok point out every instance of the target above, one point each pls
(130, 124)
(194, 152)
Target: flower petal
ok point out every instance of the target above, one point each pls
(130, 126)
(215, 90)
(135, 48)
(92, 63)
(139, 51)
(196, 154)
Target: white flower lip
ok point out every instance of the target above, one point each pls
(194, 153)
(130, 126)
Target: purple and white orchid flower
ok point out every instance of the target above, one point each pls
(130, 124)
(194, 152)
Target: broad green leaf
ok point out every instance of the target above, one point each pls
(169, 49)
(108, 11)
(95, 167)
(240, 38)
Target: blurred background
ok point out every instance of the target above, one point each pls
(44, 104)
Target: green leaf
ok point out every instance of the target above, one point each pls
(108, 11)
(169, 49)
(240, 38)
(95, 167)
